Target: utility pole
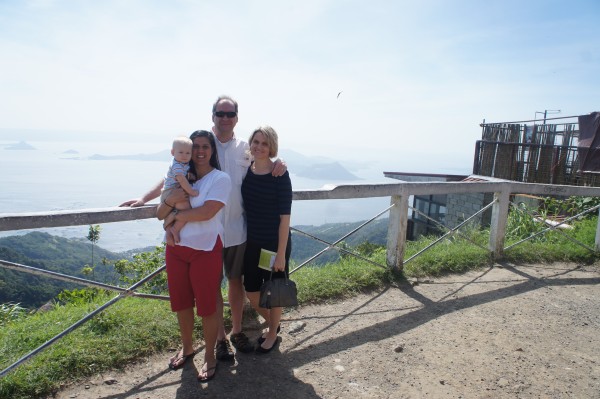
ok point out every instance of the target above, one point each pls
(546, 112)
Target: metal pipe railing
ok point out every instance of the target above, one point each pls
(555, 228)
(333, 245)
(72, 279)
(78, 324)
(450, 231)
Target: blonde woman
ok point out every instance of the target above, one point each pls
(268, 205)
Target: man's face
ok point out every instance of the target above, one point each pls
(223, 117)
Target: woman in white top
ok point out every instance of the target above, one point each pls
(194, 264)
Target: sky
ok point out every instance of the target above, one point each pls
(404, 84)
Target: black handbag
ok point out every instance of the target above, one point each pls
(278, 293)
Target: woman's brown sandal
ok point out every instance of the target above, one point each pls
(241, 342)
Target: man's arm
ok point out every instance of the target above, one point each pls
(153, 193)
(279, 168)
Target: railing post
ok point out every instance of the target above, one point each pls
(498, 222)
(396, 238)
(597, 240)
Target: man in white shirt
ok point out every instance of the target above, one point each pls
(234, 160)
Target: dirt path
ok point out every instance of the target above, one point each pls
(503, 332)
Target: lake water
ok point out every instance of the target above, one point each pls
(49, 178)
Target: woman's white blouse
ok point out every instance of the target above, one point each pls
(202, 236)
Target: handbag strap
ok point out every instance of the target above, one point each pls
(287, 277)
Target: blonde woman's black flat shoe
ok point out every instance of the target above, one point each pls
(260, 349)
(261, 339)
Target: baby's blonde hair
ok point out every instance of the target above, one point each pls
(182, 140)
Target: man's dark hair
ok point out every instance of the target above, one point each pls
(221, 98)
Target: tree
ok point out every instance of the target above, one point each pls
(94, 237)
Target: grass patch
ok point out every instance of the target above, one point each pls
(128, 330)
(345, 278)
(554, 246)
(451, 255)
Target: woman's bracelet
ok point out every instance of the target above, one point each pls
(170, 206)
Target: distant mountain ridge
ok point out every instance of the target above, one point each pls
(320, 168)
(48, 252)
(164, 155)
(317, 168)
(21, 145)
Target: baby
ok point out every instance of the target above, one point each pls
(177, 177)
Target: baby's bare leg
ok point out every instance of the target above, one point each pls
(169, 236)
(176, 228)
(169, 220)
(178, 225)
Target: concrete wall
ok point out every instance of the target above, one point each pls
(460, 207)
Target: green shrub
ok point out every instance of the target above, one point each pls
(571, 206)
(79, 296)
(10, 312)
(130, 272)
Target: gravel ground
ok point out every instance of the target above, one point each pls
(504, 332)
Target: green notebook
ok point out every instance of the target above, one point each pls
(267, 258)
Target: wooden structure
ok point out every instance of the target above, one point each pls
(546, 153)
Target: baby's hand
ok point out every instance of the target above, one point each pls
(195, 193)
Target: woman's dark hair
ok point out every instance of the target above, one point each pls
(214, 157)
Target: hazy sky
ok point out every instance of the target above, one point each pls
(416, 77)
